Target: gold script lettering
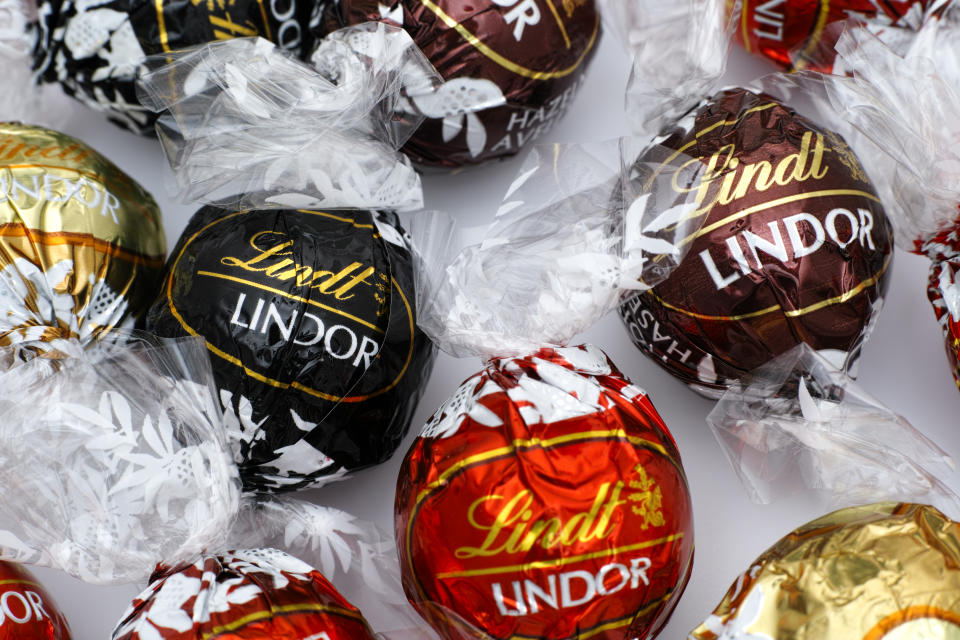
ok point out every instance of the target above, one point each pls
(726, 180)
(511, 530)
(271, 261)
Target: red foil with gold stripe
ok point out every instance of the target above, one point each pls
(801, 34)
(942, 288)
(794, 245)
(545, 499)
(524, 58)
(27, 611)
(255, 594)
(81, 244)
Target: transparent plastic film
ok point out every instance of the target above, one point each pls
(357, 557)
(693, 35)
(908, 104)
(114, 458)
(569, 241)
(797, 424)
(276, 132)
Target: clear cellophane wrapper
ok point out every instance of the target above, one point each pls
(114, 458)
(571, 240)
(23, 100)
(679, 52)
(906, 102)
(116, 461)
(250, 127)
(357, 557)
(797, 424)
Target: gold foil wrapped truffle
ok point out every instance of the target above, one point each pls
(81, 243)
(884, 571)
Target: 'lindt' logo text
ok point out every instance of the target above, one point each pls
(327, 326)
(271, 249)
(726, 179)
(513, 530)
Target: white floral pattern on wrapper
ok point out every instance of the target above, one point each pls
(456, 103)
(125, 456)
(543, 391)
(168, 597)
(30, 304)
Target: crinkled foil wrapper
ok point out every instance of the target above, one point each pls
(883, 571)
(310, 320)
(524, 60)
(801, 34)
(28, 610)
(545, 499)
(794, 246)
(254, 594)
(81, 244)
(96, 50)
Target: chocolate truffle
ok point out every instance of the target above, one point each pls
(545, 499)
(516, 64)
(877, 572)
(309, 318)
(82, 243)
(793, 246)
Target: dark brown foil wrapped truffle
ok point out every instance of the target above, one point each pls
(97, 50)
(309, 318)
(794, 245)
(524, 58)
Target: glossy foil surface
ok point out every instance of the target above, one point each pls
(81, 244)
(794, 246)
(310, 322)
(943, 289)
(545, 499)
(801, 34)
(879, 572)
(525, 59)
(95, 50)
(27, 611)
(256, 594)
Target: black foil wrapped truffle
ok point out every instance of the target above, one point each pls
(298, 275)
(309, 318)
(96, 49)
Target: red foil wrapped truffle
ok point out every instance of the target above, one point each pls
(523, 60)
(250, 594)
(545, 499)
(27, 611)
(794, 245)
(799, 34)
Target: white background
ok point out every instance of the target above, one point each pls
(903, 364)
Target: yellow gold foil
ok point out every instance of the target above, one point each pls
(884, 571)
(81, 244)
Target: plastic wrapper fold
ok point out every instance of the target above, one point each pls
(273, 131)
(571, 240)
(798, 424)
(114, 458)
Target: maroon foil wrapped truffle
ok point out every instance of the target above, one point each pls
(794, 245)
(518, 62)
